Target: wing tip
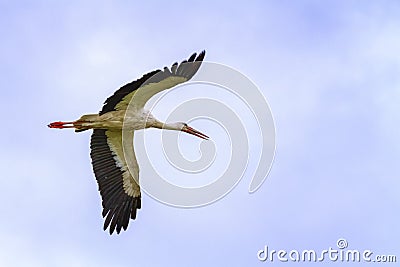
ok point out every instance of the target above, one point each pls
(194, 57)
(188, 67)
(118, 218)
(201, 55)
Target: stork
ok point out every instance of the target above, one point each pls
(119, 187)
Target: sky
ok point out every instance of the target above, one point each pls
(329, 71)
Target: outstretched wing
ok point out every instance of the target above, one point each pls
(119, 191)
(152, 83)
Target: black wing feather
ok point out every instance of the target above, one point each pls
(112, 101)
(184, 69)
(117, 205)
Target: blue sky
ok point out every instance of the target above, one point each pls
(330, 73)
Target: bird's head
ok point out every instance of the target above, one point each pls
(182, 126)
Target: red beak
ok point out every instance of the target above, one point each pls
(190, 130)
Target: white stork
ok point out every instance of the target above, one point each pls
(119, 187)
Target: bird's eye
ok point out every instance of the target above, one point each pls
(185, 124)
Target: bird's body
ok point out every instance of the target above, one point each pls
(132, 119)
(118, 186)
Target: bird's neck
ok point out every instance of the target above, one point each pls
(166, 126)
(157, 124)
(151, 121)
(171, 126)
(154, 123)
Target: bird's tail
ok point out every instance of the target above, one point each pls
(82, 124)
(85, 122)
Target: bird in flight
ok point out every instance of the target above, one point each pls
(119, 187)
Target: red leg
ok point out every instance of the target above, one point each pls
(60, 125)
